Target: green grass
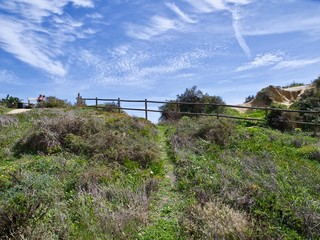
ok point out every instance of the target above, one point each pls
(91, 190)
(90, 174)
(267, 177)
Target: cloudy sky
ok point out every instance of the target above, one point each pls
(155, 49)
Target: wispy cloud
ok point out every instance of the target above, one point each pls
(136, 67)
(237, 30)
(262, 60)
(157, 26)
(181, 14)
(290, 64)
(7, 76)
(24, 35)
(201, 6)
(231, 6)
(277, 61)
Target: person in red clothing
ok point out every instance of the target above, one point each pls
(41, 98)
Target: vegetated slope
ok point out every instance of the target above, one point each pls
(76, 174)
(246, 183)
(87, 174)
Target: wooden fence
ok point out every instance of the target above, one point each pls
(101, 103)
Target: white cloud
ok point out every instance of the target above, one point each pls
(200, 5)
(95, 16)
(237, 30)
(24, 34)
(157, 26)
(7, 76)
(262, 60)
(231, 6)
(27, 47)
(239, 2)
(217, 4)
(278, 61)
(179, 12)
(83, 3)
(136, 67)
(290, 64)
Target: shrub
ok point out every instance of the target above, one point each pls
(173, 110)
(48, 135)
(215, 220)
(189, 131)
(249, 98)
(118, 139)
(7, 120)
(25, 204)
(310, 152)
(280, 120)
(53, 102)
(309, 100)
(111, 107)
(10, 101)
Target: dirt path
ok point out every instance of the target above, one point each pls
(16, 111)
(167, 203)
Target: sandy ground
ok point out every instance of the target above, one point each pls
(298, 88)
(16, 111)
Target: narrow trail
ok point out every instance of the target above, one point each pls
(167, 203)
(16, 111)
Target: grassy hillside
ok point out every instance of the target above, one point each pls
(76, 175)
(246, 182)
(87, 174)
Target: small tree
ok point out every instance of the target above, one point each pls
(310, 100)
(51, 102)
(249, 98)
(10, 101)
(173, 110)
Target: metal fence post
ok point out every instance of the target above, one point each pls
(119, 106)
(146, 108)
(96, 102)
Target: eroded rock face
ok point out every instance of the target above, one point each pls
(272, 94)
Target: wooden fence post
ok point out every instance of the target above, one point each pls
(96, 102)
(266, 117)
(146, 108)
(119, 106)
(316, 122)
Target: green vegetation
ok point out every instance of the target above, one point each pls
(54, 102)
(250, 183)
(294, 84)
(76, 174)
(80, 173)
(10, 101)
(171, 110)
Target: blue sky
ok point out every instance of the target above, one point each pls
(151, 49)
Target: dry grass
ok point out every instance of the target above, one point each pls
(215, 220)
(7, 120)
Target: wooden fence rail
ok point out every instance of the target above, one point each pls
(101, 102)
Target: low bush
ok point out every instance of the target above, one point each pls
(116, 139)
(48, 134)
(215, 220)
(194, 132)
(53, 102)
(282, 121)
(7, 120)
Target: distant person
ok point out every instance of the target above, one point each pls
(40, 98)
